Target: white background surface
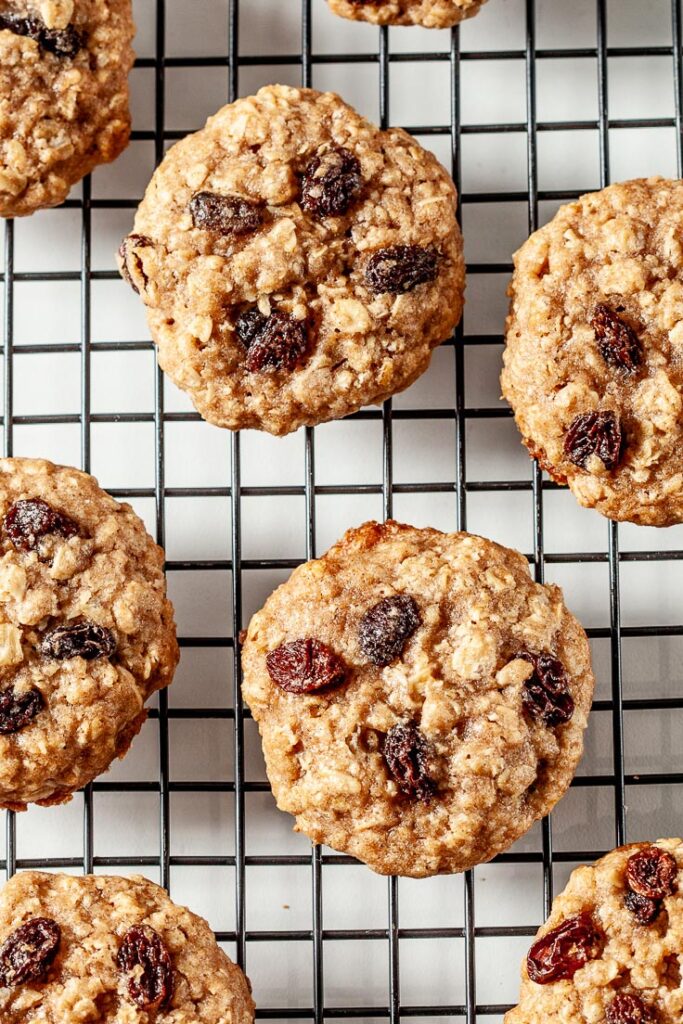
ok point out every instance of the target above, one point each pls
(122, 454)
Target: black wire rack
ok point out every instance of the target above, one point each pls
(384, 60)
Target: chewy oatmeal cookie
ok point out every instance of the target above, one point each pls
(112, 951)
(63, 95)
(593, 364)
(296, 262)
(428, 13)
(421, 700)
(610, 951)
(86, 630)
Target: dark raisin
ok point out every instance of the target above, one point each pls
(276, 342)
(80, 640)
(145, 960)
(594, 433)
(643, 909)
(226, 215)
(384, 629)
(31, 519)
(18, 709)
(618, 343)
(563, 950)
(330, 183)
(406, 753)
(627, 1009)
(28, 952)
(64, 42)
(131, 264)
(249, 325)
(546, 693)
(400, 268)
(652, 873)
(305, 666)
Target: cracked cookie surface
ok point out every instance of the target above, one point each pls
(187, 980)
(594, 356)
(428, 13)
(296, 262)
(86, 631)
(420, 699)
(631, 972)
(63, 96)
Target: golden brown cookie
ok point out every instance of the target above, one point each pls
(593, 364)
(428, 13)
(86, 631)
(420, 699)
(610, 951)
(112, 951)
(296, 262)
(63, 95)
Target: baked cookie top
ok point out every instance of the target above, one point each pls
(104, 949)
(63, 95)
(421, 700)
(593, 364)
(428, 13)
(610, 950)
(296, 262)
(86, 631)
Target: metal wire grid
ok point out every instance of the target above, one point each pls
(383, 58)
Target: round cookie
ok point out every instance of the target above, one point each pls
(86, 631)
(609, 952)
(296, 262)
(428, 13)
(593, 366)
(420, 699)
(108, 949)
(63, 96)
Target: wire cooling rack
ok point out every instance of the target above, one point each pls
(529, 104)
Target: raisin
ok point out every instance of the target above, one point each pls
(80, 640)
(400, 268)
(652, 873)
(275, 342)
(330, 183)
(562, 951)
(618, 343)
(131, 264)
(546, 693)
(594, 433)
(28, 952)
(627, 1009)
(385, 628)
(305, 666)
(145, 960)
(30, 519)
(643, 909)
(65, 42)
(18, 709)
(406, 753)
(226, 215)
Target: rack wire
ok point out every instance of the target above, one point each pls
(241, 939)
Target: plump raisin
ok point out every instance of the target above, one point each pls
(31, 519)
(146, 962)
(226, 215)
(406, 753)
(618, 343)
(28, 952)
(561, 952)
(275, 342)
(80, 640)
(652, 873)
(627, 1009)
(546, 693)
(305, 666)
(18, 709)
(384, 629)
(643, 909)
(594, 433)
(131, 265)
(64, 42)
(330, 183)
(400, 268)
